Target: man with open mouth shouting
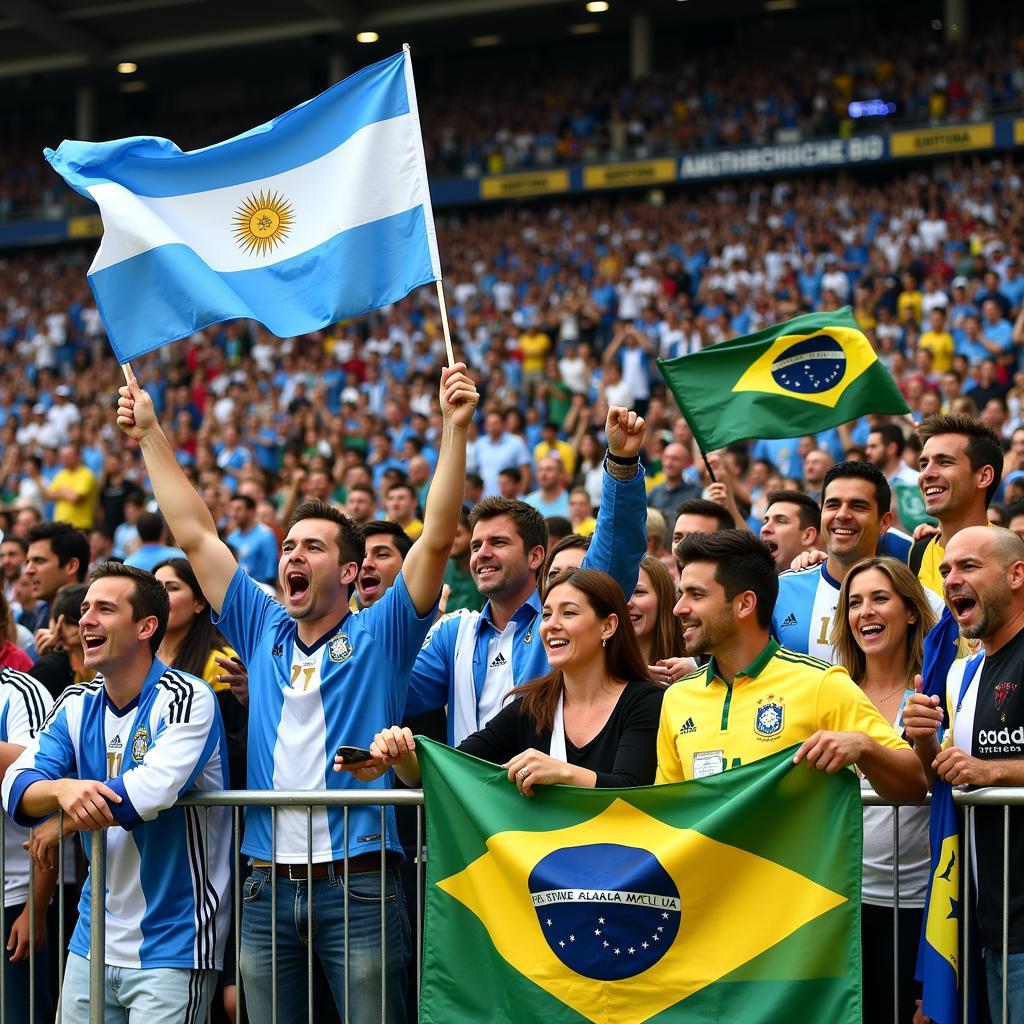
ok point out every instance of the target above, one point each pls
(983, 577)
(319, 673)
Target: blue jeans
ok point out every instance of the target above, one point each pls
(16, 978)
(137, 995)
(364, 942)
(1014, 986)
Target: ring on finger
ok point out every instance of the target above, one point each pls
(523, 773)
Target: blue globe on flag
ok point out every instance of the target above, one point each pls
(607, 912)
(810, 366)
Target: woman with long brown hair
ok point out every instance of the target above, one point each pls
(592, 721)
(650, 610)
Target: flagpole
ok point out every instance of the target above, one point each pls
(407, 49)
(444, 323)
(126, 369)
(711, 472)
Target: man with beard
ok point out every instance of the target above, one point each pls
(471, 660)
(961, 466)
(855, 516)
(983, 577)
(755, 698)
(318, 675)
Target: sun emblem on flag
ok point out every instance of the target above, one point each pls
(263, 222)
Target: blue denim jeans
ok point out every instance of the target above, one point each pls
(1014, 986)
(137, 995)
(328, 917)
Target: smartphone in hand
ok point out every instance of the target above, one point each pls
(354, 755)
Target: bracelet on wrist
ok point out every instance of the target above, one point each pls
(622, 460)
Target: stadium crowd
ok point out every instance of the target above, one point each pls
(558, 312)
(525, 118)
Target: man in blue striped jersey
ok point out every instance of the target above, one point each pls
(24, 703)
(319, 676)
(116, 754)
(472, 660)
(856, 519)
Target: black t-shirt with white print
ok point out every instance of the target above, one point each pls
(996, 730)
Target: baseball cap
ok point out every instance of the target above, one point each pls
(1016, 477)
(63, 390)
(960, 282)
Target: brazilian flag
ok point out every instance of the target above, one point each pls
(730, 898)
(805, 375)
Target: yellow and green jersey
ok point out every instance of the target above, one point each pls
(779, 700)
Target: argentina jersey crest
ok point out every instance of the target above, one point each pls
(340, 648)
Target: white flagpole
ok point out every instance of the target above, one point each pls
(444, 323)
(411, 87)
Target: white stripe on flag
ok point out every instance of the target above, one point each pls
(376, 173)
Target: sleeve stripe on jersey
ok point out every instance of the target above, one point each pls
(180, 708)
(801, 659)
(68, 693)
(205, 895)
(27, 687)
(189, 688)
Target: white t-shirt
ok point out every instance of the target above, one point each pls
(915, 856)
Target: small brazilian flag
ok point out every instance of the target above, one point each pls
(730, 898)
(796, 378)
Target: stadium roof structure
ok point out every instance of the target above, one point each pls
(40, 36)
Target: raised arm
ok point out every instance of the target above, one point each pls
(620, 537)
(423, 571)
(184, 510)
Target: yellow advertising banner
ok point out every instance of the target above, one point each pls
(531, 183)
(950, 139)
(89, 226)
(638, 172)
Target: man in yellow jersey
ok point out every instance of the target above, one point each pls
(755, 698)
(961, 465)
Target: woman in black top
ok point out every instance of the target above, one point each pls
(592, 721)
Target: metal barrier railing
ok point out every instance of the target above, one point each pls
(236, 799)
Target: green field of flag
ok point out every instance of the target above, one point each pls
(799, 377)
(731, 898)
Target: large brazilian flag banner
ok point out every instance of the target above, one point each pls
(731, 898)
(799, 377)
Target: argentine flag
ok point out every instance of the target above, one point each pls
(321, 214)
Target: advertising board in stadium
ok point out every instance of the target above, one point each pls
(87, 226)
(515, 186)
(795, 156)
(636, 172)
(948, 139)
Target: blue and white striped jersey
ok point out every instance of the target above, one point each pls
(168, 867)
(24, 703)
(469, 666)
(306, 701)
(806, 605)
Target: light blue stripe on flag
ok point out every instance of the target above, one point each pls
(321, 214)
(365, 267)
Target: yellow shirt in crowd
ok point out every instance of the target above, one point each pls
(779, 700)
(81, 512)
(561, 450)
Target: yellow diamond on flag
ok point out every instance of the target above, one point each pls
(815, 367)
(677, 912)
